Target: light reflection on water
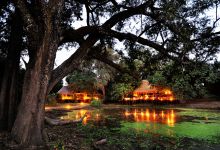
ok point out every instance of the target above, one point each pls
(166, 116)
(163, 116)
(169, 122)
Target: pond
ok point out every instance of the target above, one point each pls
(198, 124)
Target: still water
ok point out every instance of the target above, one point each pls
(192, 123)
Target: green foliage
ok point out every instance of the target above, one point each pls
(182, 87)
(202, 113)
(198, 124)
(123, 84)
(193, 81)
(187, 81)
(155, 136)
(96, 103)
(115, 139)
(193, 128)
(82, 81)
(158, 78)
(119, 90)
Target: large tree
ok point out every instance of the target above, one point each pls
(11, 46)
(173, 29)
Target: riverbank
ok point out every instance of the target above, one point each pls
(197, 103)
(203, 104)
(77, 136)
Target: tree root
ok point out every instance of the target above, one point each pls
(55, 122)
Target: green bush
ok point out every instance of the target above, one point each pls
(119, 90)
(96, 103)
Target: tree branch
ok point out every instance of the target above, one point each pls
(27, 17)
(107, 61)
(113, 65)
(126, 14)
(73, 62)
(72, 35)
(3, 4)
(87, 14)
(76, 59)
(52, 5)
(118, 5)
(131, 37)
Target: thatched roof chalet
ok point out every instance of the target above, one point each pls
(73, 88)
(145, 87)
(65, 90)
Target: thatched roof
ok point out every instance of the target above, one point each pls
(64, 90)
(71, 88)
(145, 87)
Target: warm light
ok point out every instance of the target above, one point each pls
(96, 98)
(85, 97)
(146, 97)
(171, 119)
(168, 120)
(135, 98)
(84, 120)
(142, 114)
(66, 97)
(127, 98)
(77, 116)
(172, 113)
(82, 103)
(126, 113)
(47, 108)
(154, 115)
(135, 113)
(152, 98)
(97, 116)
(167, 92)
(68, 107)
(82, 112)
(162, 114)
(147, 113)
(171, 98)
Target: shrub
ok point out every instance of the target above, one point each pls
(119, 90)
(96, 103)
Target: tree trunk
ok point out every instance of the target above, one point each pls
(9, 96)
(43, 36)
(28, 127)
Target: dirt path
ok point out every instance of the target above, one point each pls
(203, 104)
